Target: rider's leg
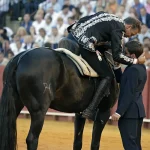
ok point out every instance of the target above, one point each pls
(106, 74)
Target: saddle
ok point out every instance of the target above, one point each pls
(84, 68)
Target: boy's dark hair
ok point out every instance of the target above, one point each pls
(136, 24)
(134, 47)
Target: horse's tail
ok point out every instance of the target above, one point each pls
(8, 132)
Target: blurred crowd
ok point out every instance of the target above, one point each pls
(44, 22)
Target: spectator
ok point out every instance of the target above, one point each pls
(89, 10)
(1, 44)
(147, 64)
(21, 32)
(9, 32)
(147, 6)
(3, 33)
(6, 48)
(67, 2)
(76, 13)
(123, 13)
(145, 32)
(28, 42)
(27, 23)
(71, 20)
(133, 13)
(31, 5)
(13, 45)
(15, 9)
(147, 52)
(4, 7)
(50, 3)
(146, 41)
(32, 32)
(19, 47)
(144, 17)
(51, 13)
(82, 7)
(48, 25)
(100, 5)
(3, 60)
(61, 26)
(38, 23)
(65, 13)
(111, 7)
(55, 37)
(138, 6)
(41, 38)
(10, 55)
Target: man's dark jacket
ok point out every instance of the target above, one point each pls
(101, 27)
(130, 104)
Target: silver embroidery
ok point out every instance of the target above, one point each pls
(84, 39)
(126, 58)
(82, 28)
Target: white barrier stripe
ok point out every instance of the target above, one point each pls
(66, 114)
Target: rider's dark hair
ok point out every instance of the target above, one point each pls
(134, 47)
(136, 24)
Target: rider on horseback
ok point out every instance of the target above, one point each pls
(94, 30)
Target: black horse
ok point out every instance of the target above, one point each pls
(40, 79)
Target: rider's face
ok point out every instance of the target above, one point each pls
(130, 32)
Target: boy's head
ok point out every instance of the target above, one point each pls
(133, 49)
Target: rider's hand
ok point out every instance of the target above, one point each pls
(141, 59)
(91, 46)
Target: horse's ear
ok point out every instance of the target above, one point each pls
(70, 45)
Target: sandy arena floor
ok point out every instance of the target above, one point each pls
(59, 136)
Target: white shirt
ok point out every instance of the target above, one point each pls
(143, 19)
(54, 39)
(65, 16)
(48, 28)
(4, 5)
(15, 50)
(38, 25)
(141, 36)
(62, 28)
(54, 16)
(40, 40)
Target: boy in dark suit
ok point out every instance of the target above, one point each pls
(130, 111)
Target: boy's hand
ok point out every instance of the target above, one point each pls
(115, 117)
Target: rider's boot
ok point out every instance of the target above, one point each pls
(102, 90)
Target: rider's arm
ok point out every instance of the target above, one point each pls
(116, 43)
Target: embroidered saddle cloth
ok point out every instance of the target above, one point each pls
(82, 65)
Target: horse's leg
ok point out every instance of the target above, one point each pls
(37, 104)
(78, 131)
(37, 120)
(99, 124)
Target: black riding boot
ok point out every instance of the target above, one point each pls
(102, 90)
